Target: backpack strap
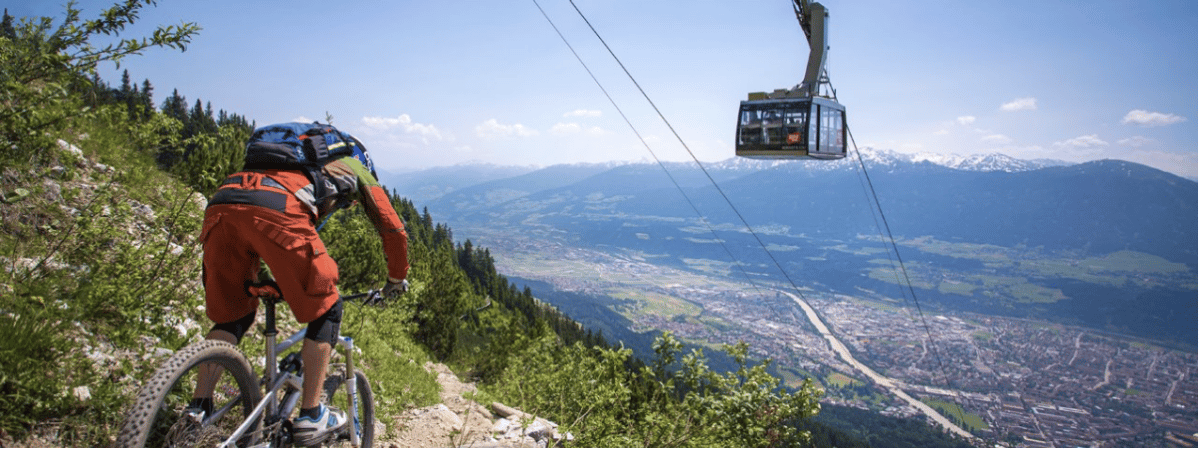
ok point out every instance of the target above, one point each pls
(316, 148)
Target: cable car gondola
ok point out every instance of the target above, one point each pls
(791, 128)
(797, 123)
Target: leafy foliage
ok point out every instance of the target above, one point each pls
(212, 157)
(607, 404)
(42, 67)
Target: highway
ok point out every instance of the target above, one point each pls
(890, 384)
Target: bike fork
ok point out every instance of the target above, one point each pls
(351, 378)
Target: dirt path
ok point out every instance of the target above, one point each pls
(456, 422)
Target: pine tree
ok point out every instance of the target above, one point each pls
(6, 26)
(147, 99)
(194, 124)
(125, 88)
(175, 107)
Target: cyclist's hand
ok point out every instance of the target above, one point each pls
(395, 288)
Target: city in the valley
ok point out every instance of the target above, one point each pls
(998, 380)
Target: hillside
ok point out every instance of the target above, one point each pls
(103, 194)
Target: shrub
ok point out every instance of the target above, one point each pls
(595, 394)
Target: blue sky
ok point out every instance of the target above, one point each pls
(435, 83)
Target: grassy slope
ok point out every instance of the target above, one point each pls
(101, 282)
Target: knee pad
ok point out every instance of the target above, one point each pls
(237, 328)
(328, 326)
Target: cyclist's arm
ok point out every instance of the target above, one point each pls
(383, 216)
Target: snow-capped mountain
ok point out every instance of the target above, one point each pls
(875, 157)
(992, 162)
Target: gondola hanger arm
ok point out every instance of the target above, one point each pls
(814, 19)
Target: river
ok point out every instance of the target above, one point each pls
(890, 384)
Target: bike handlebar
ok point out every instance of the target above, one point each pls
(270, 291)
(371, 297)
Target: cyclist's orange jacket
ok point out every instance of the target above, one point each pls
(272, 215)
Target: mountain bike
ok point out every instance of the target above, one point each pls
(242, 415)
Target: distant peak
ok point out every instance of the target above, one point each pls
(990, 162)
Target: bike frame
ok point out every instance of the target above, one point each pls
(270, 410)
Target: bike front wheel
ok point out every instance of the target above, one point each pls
(160, 416)
(360, 414)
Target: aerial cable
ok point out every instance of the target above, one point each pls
(868, 191)
(895, 248)
(736, 262)
(728, 201)
(890, 238)
(903, 270)
(882, 239)
(778, 265)
(776, 262)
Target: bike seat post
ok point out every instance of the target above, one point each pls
(269, 328)
(269, 332)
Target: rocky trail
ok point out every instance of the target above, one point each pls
(460, 422)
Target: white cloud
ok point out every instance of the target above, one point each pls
(996, 139)
(403, 123)
(575, 128)
(565, 128)
(965, 120)
(1023, 103)
(493, 129)
(1089, 141)
(399, 142)
(583, 113)
(1150, 119)
(1137, 141)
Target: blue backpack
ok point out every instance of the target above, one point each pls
(306, 147)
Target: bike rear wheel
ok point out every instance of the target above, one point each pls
(158, 417)
(362, 415)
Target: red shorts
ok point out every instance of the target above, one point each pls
(236, 236)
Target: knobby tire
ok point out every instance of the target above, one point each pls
(156, 419)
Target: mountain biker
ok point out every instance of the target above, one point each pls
(270, 214)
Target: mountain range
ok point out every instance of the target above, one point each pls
(1070, 214)
(433, 183)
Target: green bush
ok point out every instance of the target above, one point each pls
(212, 158)
(594, 394)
